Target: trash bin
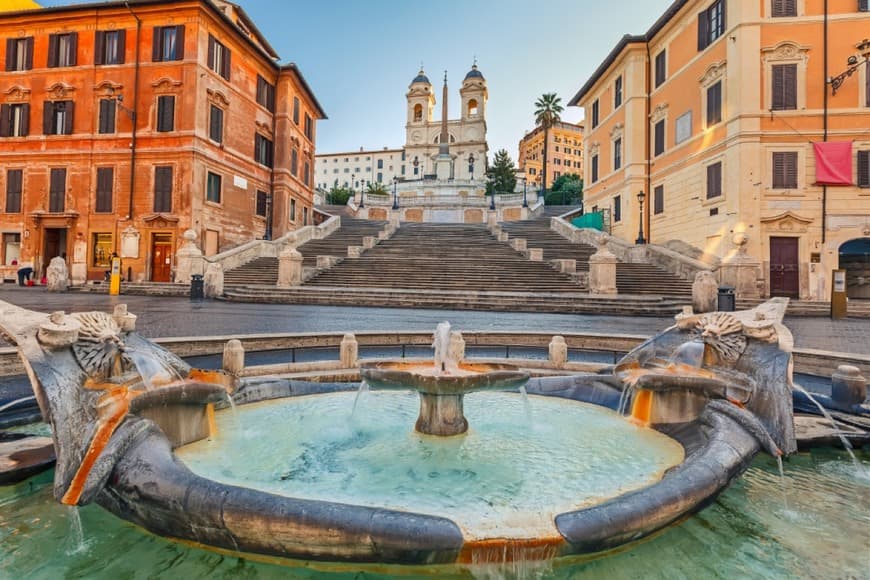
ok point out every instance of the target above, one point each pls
(197, 290)
(727, 299)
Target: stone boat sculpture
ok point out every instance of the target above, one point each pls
(718, 383)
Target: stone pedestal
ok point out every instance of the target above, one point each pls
(705, 292)
(443, 168)
(740, 270)
(57, 275)
(213, 281)
(234, 357)
(565, 266)
(188, 258)
(519, 244)
(558, 352)
(354, 251)
(125, 321)
(602, 272)
(369, 242)
(536, 254)
(491, 219)
(503, 237)
(848, 387)
(289, 268)
(324, 262)
(349, 352)
(637, 255)
(79, 269)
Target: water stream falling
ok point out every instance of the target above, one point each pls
(363, 389)
(77, 536)
(846, 445)
(526, 404)
(11, 404)
(154, 372)
(441, 345)
(782, 482)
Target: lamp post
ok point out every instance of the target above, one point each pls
(854, 62)
(471, 161)
(525, 196)
(395, 193)
(362, 196)
(640, 239)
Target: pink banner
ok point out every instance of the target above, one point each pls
(833, 163)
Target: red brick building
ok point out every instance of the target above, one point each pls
(124, 124)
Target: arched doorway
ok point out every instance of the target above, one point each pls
(855, 259)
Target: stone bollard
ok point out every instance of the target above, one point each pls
(496, 230)
(456, 347)
(558, 352)
(504, 237)
(566, 266)
(125, 321)
(384, 235)
(57, 275)
(324, 262)
(519, 244)
(395, 220)
(289, 268)
(213, 282)
(234, 357)
(705, 291)
(188, 258)
(59, 332)
(848, 387)
(602, 272)
(354, 251)
(349, 352)
(369, 242)
(536, 254)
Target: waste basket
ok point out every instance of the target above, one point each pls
(727, 300)
(197, 290)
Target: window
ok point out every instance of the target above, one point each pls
(62, 49)
(418, 112)
(683, 127)
(213, 188)
(261, 203)
(19, 54)
(784, 95)
(165, 113)
(661, 68)
(14, 179)
(714, 103)
(785, 169)
(472, 107)
(218, 57)
(711, 24)
(15, 120)
(106, 123)
(863, 5)
(109, 46)
(57, 118)
(57, 191)
(309, 127)
(101, 256)
(617, 93)
(380, 163)
(714, 180)
(380, 177)
(617, 208)
(781, 8)
(163, 188)
(262, 150)
(105, 179)
(293, 208)
(306, 174)
(863, 169)
(11, 248)
(659, 199)
(167, 43)
(296, 111)
(265, 93)
(304, 216)
(216, 124)
(594, 168)
(595, 114)
(659, 146)
(617, 154)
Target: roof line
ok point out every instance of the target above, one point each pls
(291, 66)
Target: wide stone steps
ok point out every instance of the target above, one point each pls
(258, 271)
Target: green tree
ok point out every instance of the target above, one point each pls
(502, 176)
(547, 110)
(566, 189)
(338, 195)
(376, 189)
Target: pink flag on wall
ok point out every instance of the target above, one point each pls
(833, 163)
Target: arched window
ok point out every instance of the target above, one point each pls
(472, 107)
(418, 112)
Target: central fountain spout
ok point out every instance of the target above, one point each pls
(442, 386)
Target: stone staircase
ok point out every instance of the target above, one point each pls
(636, 279)
(445, 257)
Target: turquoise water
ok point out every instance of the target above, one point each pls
(815, 524)
(522, 462)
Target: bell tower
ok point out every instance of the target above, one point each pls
(421, 100)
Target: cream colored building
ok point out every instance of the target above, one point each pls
(713, 113)
(355, 170)
(564, 152)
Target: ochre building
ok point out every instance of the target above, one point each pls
(125, 124)
(714, 113)
(564, 152)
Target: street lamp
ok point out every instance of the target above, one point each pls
(395, 193)
(362, 196)
(853, 62)
(640, 239)
(471, 161)
(525, 197)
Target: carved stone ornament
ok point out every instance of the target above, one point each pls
(785, 51)
(659, 113)
(99, 344)
(217, 97)
(723, 332)
(616, 132)
(17, 93)
(60, 91)
(714, 72)
(166, 85)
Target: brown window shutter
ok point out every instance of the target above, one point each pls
(73, 48)
(156, 41)
(225, 72)
(660, 137)
(867, 84)
(5, 120)
(99, 46)
(659, 199)
(864, 168)
(179, 42)
(165, 113)
(791, 170)
(703, 30)
(710, 182)
(57, 187)
(211, 51)
(778, 170)
(10, 54)
(790, 82)
(52, 51)
(28, 56)
(47, 117)
(25, 119)
(68, 118)
(122, 46)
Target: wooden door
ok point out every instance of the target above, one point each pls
(784, 267)
(55, 243)
(161, 258)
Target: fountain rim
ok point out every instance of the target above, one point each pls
(399, 375)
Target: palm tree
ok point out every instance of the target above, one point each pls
(547, 109)
(376, 189)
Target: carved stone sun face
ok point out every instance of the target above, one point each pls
(99, 343)
(723, 332)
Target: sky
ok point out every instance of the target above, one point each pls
(359, 56)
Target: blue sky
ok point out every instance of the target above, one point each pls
(360, 55)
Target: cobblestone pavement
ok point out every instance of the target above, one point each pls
(159, 316)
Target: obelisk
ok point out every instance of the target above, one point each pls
(443, 161)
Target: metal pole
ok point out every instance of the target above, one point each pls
(525, 200)
(395, 194)
(640, 239)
